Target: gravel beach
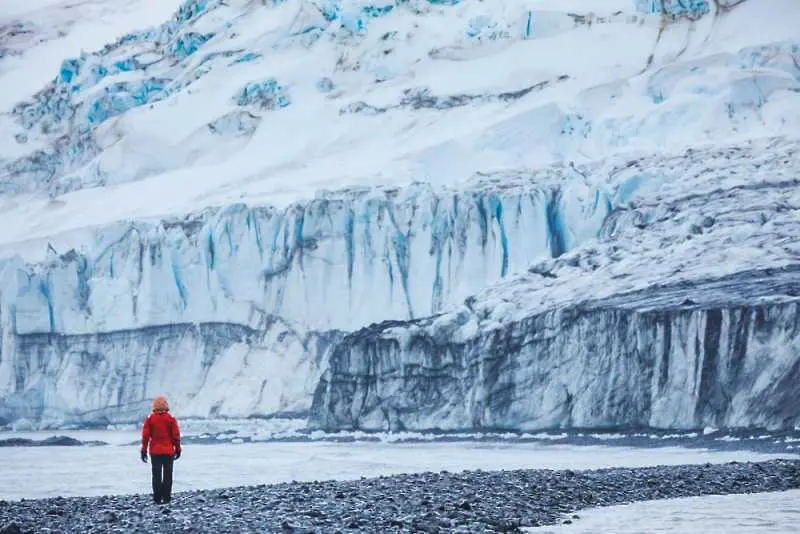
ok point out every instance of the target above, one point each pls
(471, 501)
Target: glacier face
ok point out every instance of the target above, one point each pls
(659, 324)
(228, 198)
(341, 261)
(688, 364)
(210, 369)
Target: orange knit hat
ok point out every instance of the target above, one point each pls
(160, 404)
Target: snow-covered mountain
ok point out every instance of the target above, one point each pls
(417, 214)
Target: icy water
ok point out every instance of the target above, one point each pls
(116, 468)
(765, 513)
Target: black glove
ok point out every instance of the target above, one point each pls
(144, 456)
(177, 455)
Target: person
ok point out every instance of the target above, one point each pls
(162, 437)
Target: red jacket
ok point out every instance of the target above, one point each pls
(160, 431)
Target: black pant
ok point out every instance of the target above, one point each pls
(162, 477)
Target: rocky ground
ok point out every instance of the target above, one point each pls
(472, 501)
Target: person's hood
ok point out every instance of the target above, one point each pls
(160, 404)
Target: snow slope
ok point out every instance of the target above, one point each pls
(226, 194)
(112, 123)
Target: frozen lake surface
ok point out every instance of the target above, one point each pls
(766, 513)
(116, 469)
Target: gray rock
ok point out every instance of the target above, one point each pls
(11, 528)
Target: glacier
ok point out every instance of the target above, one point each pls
(146, 105)
(654, 326)
(692, 362)
(101, 378)
(393, 215)
(341, 261)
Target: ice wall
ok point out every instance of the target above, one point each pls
(340, 261)
(684, 313)
(691, 360)
(209, 370)
(191, 297)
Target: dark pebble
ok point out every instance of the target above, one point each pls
(11, 528)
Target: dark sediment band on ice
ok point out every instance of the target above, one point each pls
(472, 501)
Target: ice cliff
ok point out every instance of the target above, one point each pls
(700, 358)
(148, 291)
(228, 207)
(656, 325)
(337, 262)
